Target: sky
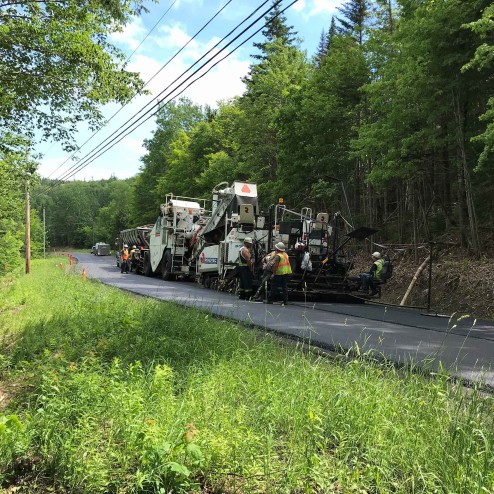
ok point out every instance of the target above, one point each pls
(152, 42)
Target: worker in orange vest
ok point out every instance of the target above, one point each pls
(124, 259)
(281, 271)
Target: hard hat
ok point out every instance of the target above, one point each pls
(247, 240)
(125, 245)
(134, 247)
(377, 255)
(280, 246)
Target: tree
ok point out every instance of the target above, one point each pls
(322, 48)
(172, 119)
(15, 169)
(318, 125)
(271, 82)
(276, 30)
(355, 13)
(483, 61)
(57, 66)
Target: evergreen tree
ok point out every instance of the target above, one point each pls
(355, 13)
(333, 31)
(322, 49)
(276, 29)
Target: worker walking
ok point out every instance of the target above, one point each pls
(374, 274)
(124, 259)
(281, 271)
(245, 270)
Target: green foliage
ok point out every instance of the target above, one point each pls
(16, 172)
(119, 394)
(57, 66)
(483, 60)
(173, 119)
(78, 214)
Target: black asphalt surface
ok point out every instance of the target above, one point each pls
(462, 346)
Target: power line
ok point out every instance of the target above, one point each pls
(95, 153)
(151, 30)
(123, 106)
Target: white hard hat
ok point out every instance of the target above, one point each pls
(280, 246)
(125, 245)
(377, 255)
(247, 240)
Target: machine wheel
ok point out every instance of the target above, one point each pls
(147, 266)
(166, 267)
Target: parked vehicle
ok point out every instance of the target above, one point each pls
(100, 249)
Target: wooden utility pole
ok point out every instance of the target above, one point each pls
(28, 221)
(28, 229)
(44, 233)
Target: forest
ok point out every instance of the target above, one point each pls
(396, 104)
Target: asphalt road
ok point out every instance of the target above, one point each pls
(465, 348)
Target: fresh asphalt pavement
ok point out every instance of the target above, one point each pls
(464, 347)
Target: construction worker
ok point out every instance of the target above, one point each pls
(124, 259)
(133, 257)
(245, 270)
(281, 271)
(374, 273)
(267, 274)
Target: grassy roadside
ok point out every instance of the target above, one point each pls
(104, 392)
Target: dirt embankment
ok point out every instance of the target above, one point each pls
(461, 284)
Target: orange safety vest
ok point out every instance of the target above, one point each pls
(125, 254)
(284, 264)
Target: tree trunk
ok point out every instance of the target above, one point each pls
(414, 280)
(465, 175)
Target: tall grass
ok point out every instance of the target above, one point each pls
(107, 392)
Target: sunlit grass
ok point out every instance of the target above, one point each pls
(107, 392)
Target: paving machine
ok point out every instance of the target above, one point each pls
(235, 215)
(316, 246)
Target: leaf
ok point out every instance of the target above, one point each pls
(178, 468)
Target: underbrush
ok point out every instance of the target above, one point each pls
(106, 392)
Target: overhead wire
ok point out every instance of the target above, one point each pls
(146, 83)
(78, 166)
(92, 155)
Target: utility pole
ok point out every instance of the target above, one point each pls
(28, 220)
(44, 233)
(28, 229)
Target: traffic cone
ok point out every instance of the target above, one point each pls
(70, 259)
(84, 275)
(61, 265)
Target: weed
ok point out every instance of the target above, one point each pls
(120, 394)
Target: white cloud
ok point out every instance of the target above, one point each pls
(299, 6)
(131, 36)
(322, 7)
(174, 37)
(179, 3)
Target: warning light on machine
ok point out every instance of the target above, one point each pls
(280, 200)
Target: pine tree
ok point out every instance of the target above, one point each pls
(355, 13)
(322, 49)
(276, 29)
(333, 31)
